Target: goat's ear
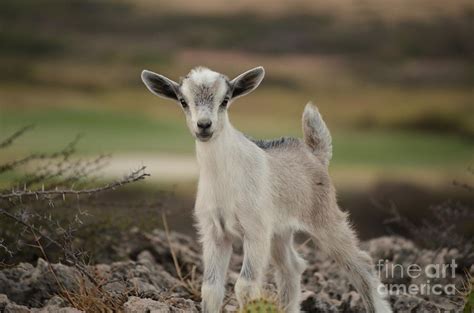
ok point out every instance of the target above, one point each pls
(247, 82)
(160, 85)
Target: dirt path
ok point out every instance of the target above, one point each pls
(162, 167)
(176, 168)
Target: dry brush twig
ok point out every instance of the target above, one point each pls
(9, 140)
(54, 172)
(65, 152)
(189, 284)
(137, 175)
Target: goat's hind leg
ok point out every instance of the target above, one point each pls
(288, 269)
(339, 241)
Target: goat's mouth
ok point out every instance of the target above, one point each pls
(203, 136)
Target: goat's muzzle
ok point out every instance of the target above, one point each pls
(204, 135)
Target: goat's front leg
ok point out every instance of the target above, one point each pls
(217, 250)
(257, 243)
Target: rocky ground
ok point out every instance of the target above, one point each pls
(145, 280)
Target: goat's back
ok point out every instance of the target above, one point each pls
(300, 181)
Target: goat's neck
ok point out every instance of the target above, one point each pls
(220, 151)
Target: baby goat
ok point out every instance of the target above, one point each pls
(262, 192)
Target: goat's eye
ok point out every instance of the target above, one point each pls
(224, 102)
(183, 103)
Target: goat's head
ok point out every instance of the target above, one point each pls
(204, 96)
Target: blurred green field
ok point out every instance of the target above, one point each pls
(394, 80)
(115, 132)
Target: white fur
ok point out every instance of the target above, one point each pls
(202, 76)
(236, 200)
(261, 193)
(230, 206)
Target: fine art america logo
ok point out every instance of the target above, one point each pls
(427, 278)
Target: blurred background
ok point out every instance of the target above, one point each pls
(394, 80)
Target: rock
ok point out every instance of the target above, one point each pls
(144, 289)
(56, 301)
(138, 305)
(7, 306)
(15, 308)
(56, 305)
(3, 302)
(409, 303)
(351, 302)
(311, 303)
(391, 248)
(406, 303)
(145, 257)
(181, 305)
(33, 286)
(146, 278)
(56, 309)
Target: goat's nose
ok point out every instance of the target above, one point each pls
(204, 124)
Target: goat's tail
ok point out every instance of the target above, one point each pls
(316, 134)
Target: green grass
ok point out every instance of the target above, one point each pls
(103, 131)
(113, 132)
(409, 148)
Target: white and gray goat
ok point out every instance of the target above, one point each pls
(262, 192)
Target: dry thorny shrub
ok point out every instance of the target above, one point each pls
(27, 222)
(446, 226)
(91, 297)
(187, 281)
